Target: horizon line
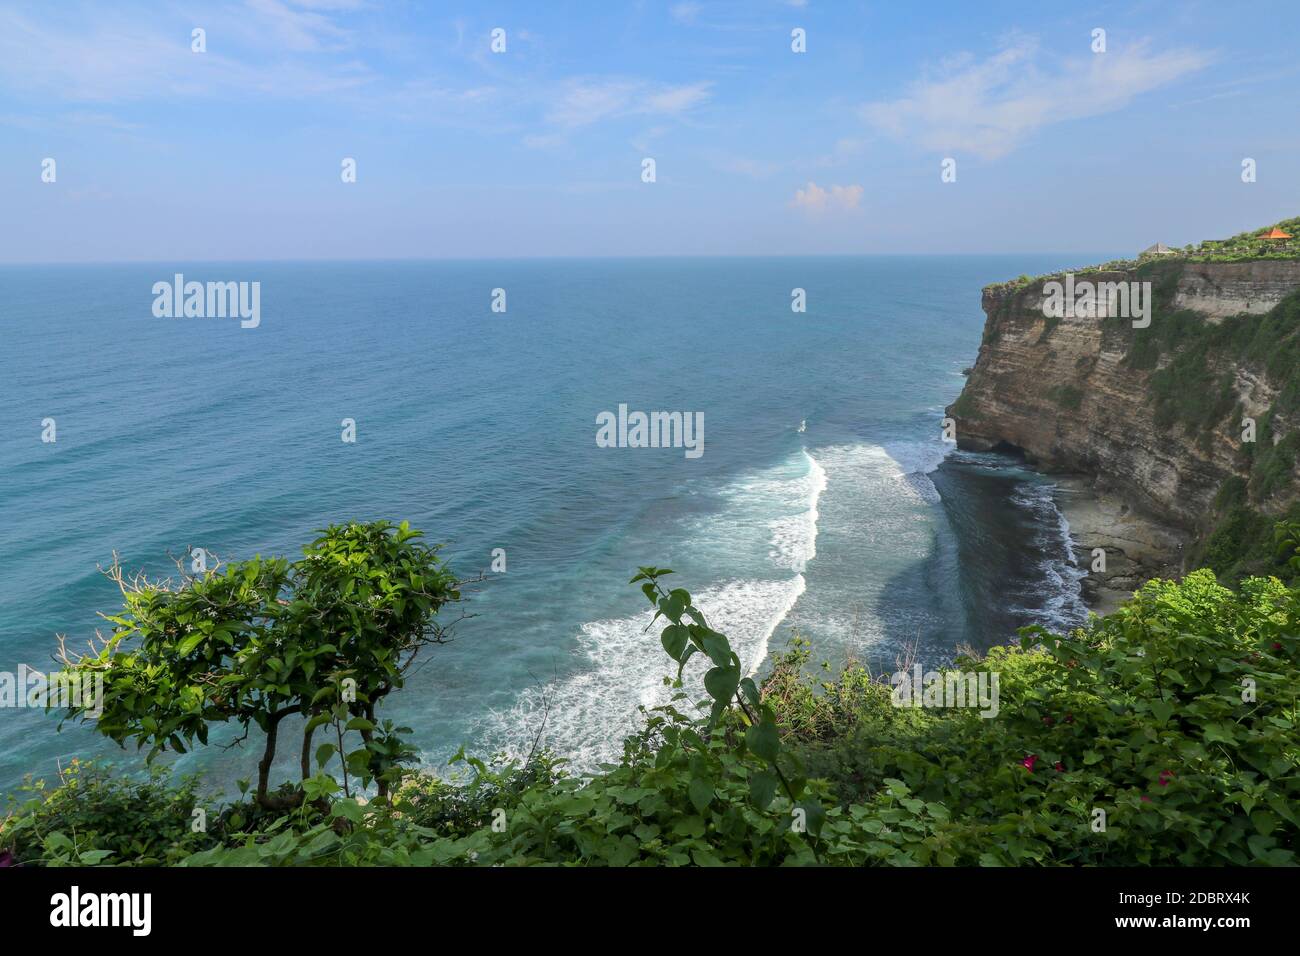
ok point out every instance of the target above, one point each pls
(538, 258)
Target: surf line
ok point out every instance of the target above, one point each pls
(817, 481)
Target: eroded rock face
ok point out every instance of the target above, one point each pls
(1059, 391)
(1220, 289)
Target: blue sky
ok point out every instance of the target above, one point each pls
(235, 153)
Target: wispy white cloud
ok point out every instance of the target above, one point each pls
(89, 57)
(989, 107)
(83, 119)
(814, 198)
(676, 99)
(746, 165)
(331, 4)
(581, 102)
(684, 12)
(98, 60)
(545, 141)
(99, 120)
(845, 149)
(298, 25)
(644, 140)
(423, 93)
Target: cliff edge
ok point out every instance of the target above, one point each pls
(1181, 427)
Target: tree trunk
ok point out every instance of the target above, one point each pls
(367, 736)
(268, 757)
(306, 751)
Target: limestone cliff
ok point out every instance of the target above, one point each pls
(1222, 289)
(1153, 417)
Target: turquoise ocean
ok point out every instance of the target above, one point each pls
(826, 501)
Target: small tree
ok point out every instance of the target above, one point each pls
(327, 638)
(371, 593)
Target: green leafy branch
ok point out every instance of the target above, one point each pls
(687, 634)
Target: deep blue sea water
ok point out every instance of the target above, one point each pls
(823, 502)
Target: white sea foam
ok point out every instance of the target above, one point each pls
(879, 511)
(620, 664)
(765, 533)
(1063, 606)
(881, 476)
(786, 508)
(915, 460)
(587, 714)
(919, 457)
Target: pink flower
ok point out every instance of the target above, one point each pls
(1165, 777)
(1145, 798)
(1060, 767)
(1028, 762)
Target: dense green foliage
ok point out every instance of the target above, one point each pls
(325, 638)
(94, 816)
(1141, 715)
(1241, 543)
(1249, 245)
(1165, 733)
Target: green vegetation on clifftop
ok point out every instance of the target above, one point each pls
(1242, 247)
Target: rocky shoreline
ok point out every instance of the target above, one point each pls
(1138, 547)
